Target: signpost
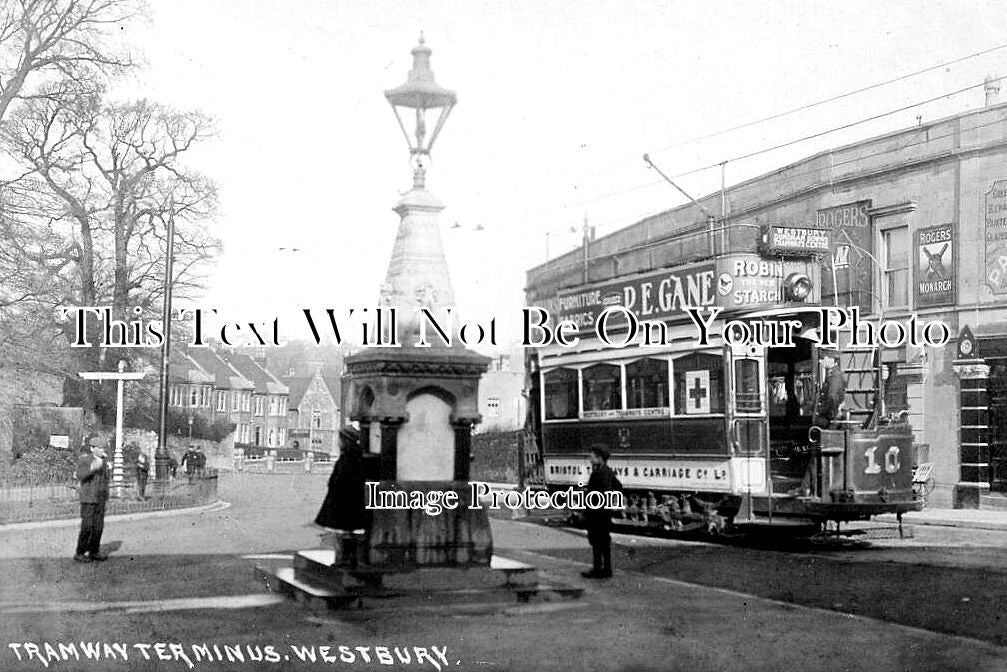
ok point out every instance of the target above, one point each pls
(121, 376)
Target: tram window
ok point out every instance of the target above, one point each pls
(647, 384)
(699, 384)
(560, 394)
(602, 387)
(746, 386)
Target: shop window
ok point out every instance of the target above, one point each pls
(560, 394)
(602, 387)
(699, 384)
(647, 384)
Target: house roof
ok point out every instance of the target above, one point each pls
(224, 375)
(264, 381)
(297, 385)
(182, 369)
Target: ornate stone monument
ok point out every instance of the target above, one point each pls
(417, 405)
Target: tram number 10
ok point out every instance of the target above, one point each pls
(891, 460)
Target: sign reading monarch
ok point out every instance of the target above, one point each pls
(936, 284)
(996, 237)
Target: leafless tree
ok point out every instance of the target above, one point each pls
(66, 42)
(98, 183)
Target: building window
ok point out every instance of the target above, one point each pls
(222, 401)
(235, 401)
(246, 402)
(259, 405)
(193, 396)
(895, 280)
(316, 418)
(272, 438)
(258, 435)
(272, 405)
(282, 435)
(493, 407)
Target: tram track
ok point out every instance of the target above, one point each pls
(901, 585)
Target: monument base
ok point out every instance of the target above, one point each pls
(402, 539)
(316, 580)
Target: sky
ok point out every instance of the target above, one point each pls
(558, 101)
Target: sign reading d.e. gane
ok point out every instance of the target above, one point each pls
(935, 281)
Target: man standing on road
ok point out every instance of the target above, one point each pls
(599, 521)
(92, 472)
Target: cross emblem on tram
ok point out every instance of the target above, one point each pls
(698, 391)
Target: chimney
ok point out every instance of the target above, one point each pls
(992, 87)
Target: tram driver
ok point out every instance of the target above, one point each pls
(832, 392)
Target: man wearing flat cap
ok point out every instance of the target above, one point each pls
(599, 521)
(92, 477)
(345, 501)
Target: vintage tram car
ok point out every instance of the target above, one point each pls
(706, 434)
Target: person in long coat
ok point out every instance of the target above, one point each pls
(344, 508)
(92, 475)
(599, 521)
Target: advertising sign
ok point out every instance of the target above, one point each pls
(996, 237)
(935, 281)
(735, 281)
(847, 271)
(797, 240)
(660, 474)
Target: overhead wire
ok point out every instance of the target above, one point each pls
(788, 143)
(919, 141)
(808, 106)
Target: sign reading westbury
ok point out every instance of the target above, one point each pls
(935, 266)
(996, 237)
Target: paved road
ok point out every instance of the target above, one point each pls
(672, 606)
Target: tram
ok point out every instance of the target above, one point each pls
(708, 432)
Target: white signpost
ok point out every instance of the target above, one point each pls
(120, 376)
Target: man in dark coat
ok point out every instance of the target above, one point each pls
(142, 473)
(599, 521)
(833, 392)
(92, 472)
(345, 502)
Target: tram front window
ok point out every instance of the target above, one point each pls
(560, 394)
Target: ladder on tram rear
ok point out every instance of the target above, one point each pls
(862, 370)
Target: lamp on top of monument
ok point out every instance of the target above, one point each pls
(422, 95)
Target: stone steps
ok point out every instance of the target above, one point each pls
(315, 580)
